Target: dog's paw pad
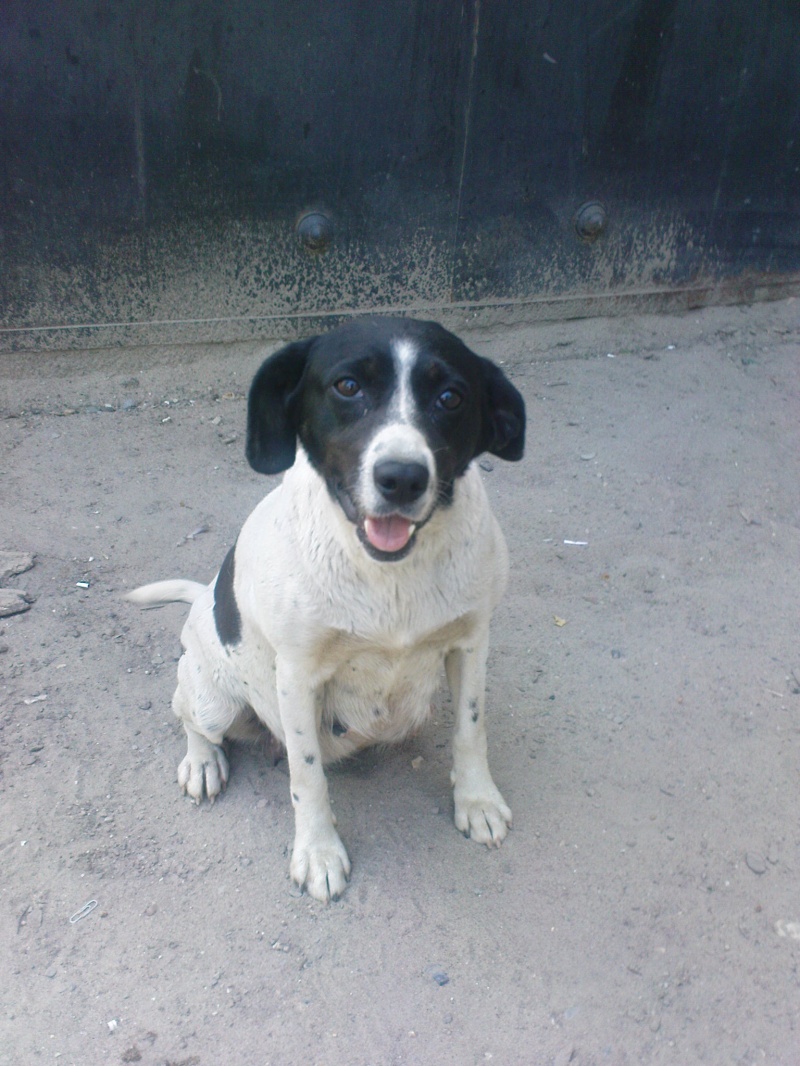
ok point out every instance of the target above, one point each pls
(485, 820)
(205, 775)
(322, 870)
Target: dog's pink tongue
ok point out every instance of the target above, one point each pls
(388, 534)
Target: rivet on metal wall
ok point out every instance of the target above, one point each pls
(590, 221)
(314, 230)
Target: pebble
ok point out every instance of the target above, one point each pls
(788, 929)
(13, 602)
(437, 974)
(13, 563)
(755, 862)
(487, 465)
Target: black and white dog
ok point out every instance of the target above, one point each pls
(375, 561)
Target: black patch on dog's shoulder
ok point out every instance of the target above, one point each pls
(226, 611)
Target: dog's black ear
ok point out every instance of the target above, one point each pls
(503, 415)
(271, 425)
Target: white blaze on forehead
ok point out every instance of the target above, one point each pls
(398, 438)
(405, 355)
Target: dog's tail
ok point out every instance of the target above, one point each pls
(161, 592)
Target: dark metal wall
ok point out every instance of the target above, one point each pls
(538, 157)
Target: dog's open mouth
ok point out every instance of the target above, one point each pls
(389, 534)
(386, 538)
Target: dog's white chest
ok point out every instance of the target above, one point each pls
(380, 695)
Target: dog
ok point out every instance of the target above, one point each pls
(375, 561)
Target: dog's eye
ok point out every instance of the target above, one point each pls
(449, 400)
(347, 387)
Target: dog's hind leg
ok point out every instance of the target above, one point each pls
(204, 768)
(207, 715)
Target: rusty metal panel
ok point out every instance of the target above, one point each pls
(664, 135)
(216, 171)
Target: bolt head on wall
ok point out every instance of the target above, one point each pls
(314, 231)
(590, 221)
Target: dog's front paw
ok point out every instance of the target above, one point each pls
(485, 818)
(204, 771)
(321, 866)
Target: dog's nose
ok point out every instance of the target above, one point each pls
(400, 483)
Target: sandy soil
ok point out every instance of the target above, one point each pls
(643, 697)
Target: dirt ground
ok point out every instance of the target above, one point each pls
(643, 698)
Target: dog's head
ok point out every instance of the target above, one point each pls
(390, 412)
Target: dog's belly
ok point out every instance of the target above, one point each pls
(379, 687)
(378, 697)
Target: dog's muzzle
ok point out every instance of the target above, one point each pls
(400, 485)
